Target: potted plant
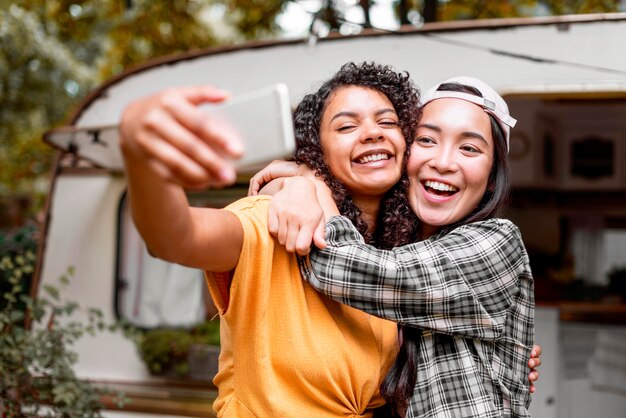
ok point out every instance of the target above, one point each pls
(182, 352)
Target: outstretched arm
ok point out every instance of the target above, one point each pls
(168, 145)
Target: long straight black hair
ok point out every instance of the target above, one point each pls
(399, 383)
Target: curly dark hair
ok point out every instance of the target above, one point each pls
(396, 223)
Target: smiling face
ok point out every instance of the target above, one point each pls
(450, 162)
(362, 141)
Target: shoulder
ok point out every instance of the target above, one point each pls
(491, 234)
(494, 246)
(497, 227)
(250, 204)
(252, 213)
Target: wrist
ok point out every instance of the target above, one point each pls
(298, 182)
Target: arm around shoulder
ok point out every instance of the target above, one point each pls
(469, 276)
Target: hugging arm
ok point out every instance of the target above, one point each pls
(462, 283)
(299, 204)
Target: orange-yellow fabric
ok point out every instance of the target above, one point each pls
(287, 350)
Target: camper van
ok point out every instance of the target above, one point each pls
(565, 81)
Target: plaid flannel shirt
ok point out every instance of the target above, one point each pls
(470, 291)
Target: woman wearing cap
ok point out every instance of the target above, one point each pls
(464, 293)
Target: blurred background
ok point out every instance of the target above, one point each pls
(54, 54)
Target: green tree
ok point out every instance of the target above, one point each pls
(443, 10)
(53, 52)
(466, 9)
(483, 9)
(40, 79)
(561, 7)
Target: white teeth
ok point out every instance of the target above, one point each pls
(373, 157)
(440, 186)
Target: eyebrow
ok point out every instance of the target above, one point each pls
(354, 114)
(465, 134)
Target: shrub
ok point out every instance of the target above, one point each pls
(15, 243)
(36, 374)
(166, 351)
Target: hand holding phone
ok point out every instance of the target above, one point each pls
(263, 121)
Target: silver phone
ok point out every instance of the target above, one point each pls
(263, 119)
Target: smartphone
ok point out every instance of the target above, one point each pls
(263, 120)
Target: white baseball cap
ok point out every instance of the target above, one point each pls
(491, 101)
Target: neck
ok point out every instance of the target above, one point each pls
(369, 206)
(428, 231)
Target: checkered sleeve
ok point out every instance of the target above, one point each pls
(458, 283)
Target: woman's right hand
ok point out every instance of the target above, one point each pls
(179, 141)
(296, 218)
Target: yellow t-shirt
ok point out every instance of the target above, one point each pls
(287, 350)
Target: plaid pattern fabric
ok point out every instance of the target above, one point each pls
(469, 289)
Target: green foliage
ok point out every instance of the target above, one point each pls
(15, 245)
(150, 29)
(253, 18)
(36, 375)
(207, 332)
(54, 52)
(483, 9)
(40, 80)
(561, 7)
(166, 350)
(466, 9)
(19, 240)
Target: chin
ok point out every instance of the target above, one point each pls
(434, 221)
(378, 184)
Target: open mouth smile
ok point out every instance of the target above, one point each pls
(439, 188)
(374, 157)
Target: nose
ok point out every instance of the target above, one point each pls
(373, 132)
(443, 160)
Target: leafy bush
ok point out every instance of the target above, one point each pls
(14, 243)
(165, 351)
(36, 374)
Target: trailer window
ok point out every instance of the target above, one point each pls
(153, 293)
(597, 245)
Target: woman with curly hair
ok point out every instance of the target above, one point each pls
(287, 350)
(387, 222)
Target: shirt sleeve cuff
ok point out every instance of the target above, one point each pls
(340, 231)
